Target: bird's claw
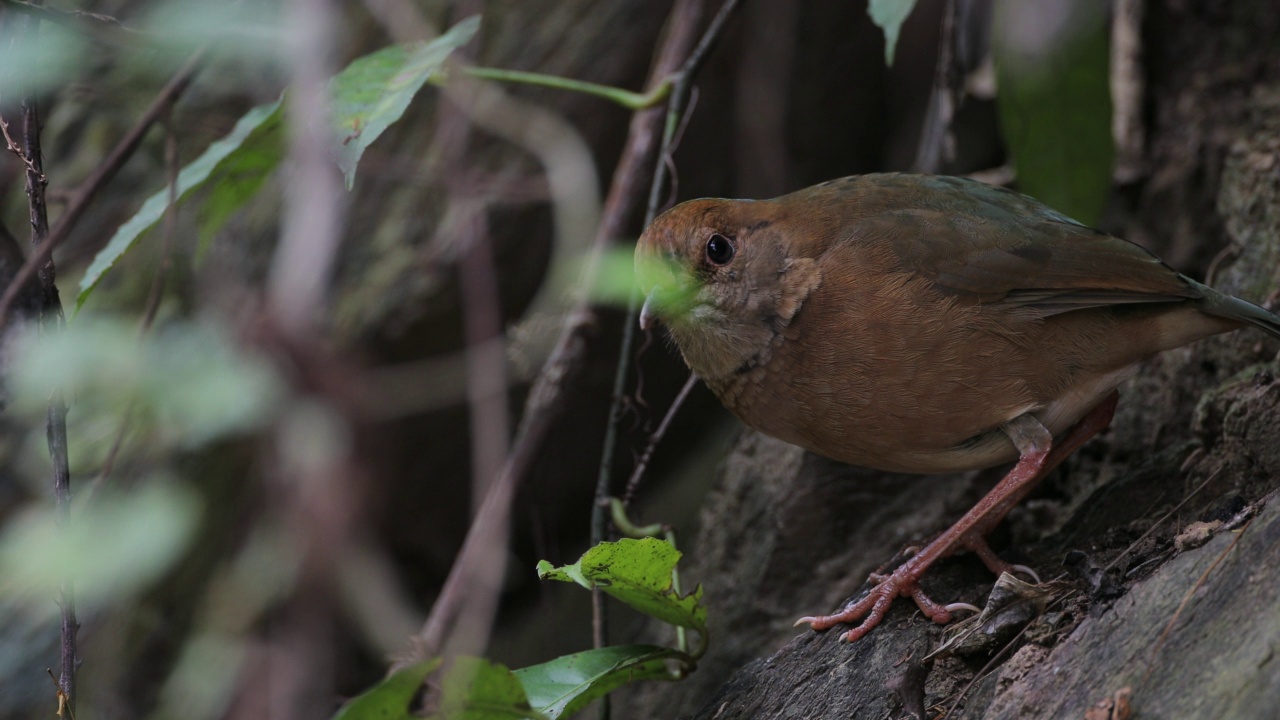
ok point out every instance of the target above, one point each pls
(872, 608)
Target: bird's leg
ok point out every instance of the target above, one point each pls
(1039, 455)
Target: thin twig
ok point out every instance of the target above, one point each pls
(106, 170)
(1158, 523)
(318, 490)
(297, 286)
(643, 463)
(680, 96)
(546, 398)
(74, 19)
(643, 138)
(170, 226)
(676, 111)
(51, 322)
(995, 659)
(155, 294)
(14, 147)
(486, 357)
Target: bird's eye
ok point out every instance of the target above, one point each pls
(720, 249)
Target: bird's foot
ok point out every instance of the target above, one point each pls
(905, 582)
(976, 543)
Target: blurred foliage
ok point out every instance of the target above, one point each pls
(889, 15)
(235, 167)
(31, 63)
(368, 96)
(251, 31)
(1052, 67)
(110, 550)
(617, 278)
(189, 383)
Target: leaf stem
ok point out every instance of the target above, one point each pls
(625, 98)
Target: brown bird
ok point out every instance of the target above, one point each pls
(919, 324)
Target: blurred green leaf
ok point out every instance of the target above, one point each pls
(374, 91)
(389, 699)
(888, 15)
(190, 380)
(251, 31)
(476, 689)
(238, 164)
(37, 63)
(203, 681)
(1052, 67)
(616, 279)
(637, 572)
(111, 548)
(202, 684)
(672, 288)
(565, 685)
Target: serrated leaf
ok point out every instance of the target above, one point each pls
(637, 572)
(238, 162)
(389, 699)
(476, 689)
(1052, 69)
(888, 15)
(374, 91)
(565, 685)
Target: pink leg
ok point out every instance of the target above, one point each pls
(969, 532)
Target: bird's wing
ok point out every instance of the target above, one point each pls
(997, 246)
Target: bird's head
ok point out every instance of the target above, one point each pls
(723, 278)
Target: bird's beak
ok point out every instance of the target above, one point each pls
(647, 318)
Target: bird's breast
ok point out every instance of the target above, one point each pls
(891, 377)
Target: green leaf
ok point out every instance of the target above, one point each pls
(111, 548)
(374, 91)
(1052, 67)
(389, 699)
(39, 63)
(237, 179)
(238, 164)
(476, 689)
(368, 96)
(565, 685)
(637, 572)
(615, 280)
(888, 15)
(188, 383)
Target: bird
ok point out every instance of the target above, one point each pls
(920, 324)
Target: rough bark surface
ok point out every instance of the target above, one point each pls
(1189, 629)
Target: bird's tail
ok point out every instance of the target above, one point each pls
(1233, 308)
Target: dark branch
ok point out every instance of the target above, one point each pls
(84, 194)
(51, 320)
